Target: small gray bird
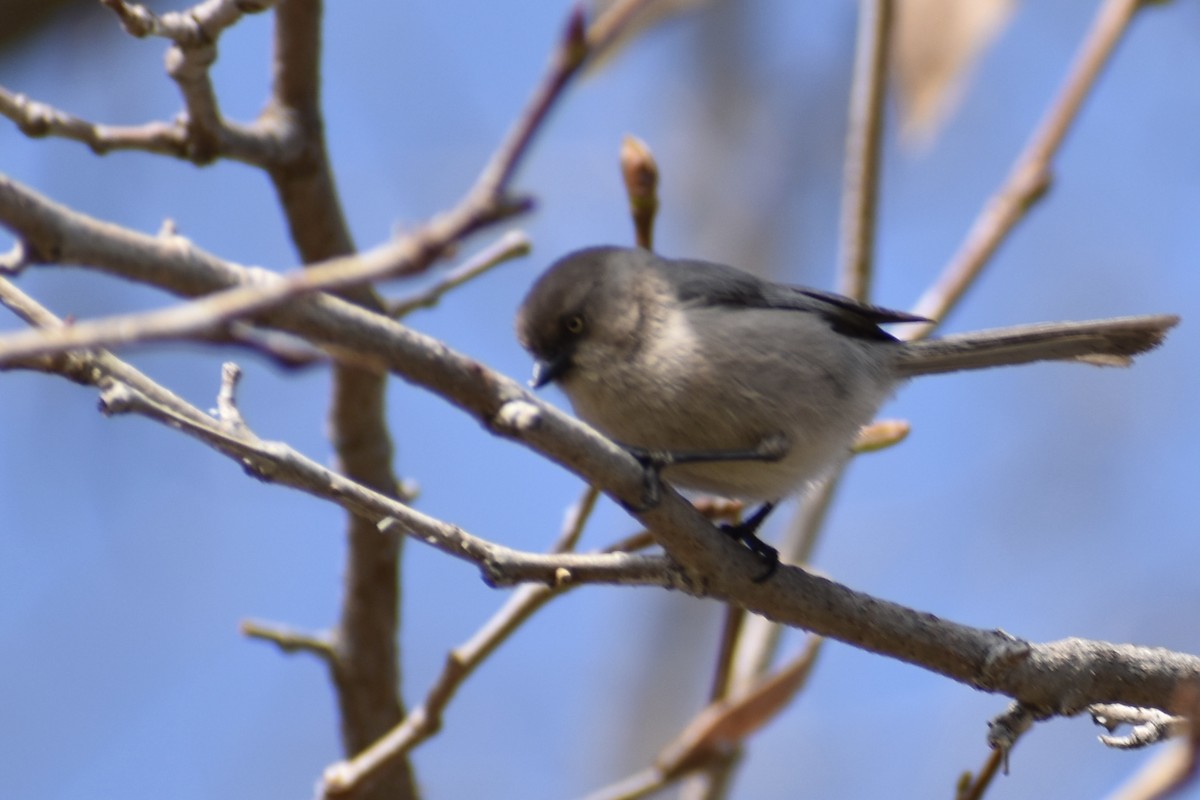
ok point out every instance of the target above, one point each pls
(737, 386)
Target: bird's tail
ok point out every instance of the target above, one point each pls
(1105, 342)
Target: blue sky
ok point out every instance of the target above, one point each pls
(1051, 501)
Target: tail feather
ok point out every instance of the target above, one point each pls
(1106, 342)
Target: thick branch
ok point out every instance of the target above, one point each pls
(1057, 678)
(125, 390)
(366, 664)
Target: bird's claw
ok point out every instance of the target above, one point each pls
(652, 462)
(744, 533)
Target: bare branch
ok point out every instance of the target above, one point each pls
(640, 784)
(199, 135)
(575, 521)
(344, 778)
(1031, 173)
(728, 721)
(275, 462)
(228, 413)
(194, 35)
(1174, 768)
(973, 787)
(759, 638)
(1147, 725)
(281, 349)
(290, 640)
(36, 119)
(366, 672)
(126, 390)
(1062, 677)
(92, 369)
(1052, 678)
(15, 260)
(1162, 776)
(509, 246)
(864, 136)
(485, 203)
(1028, 178)
(200, 24)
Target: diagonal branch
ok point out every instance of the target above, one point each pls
(194, 34)
(513, 244)
(1059, 677)
(199, 25)
(126, 390)
(1030, 177)
(345, 777)
(1027, 180)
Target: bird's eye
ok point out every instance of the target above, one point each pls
(573, 324)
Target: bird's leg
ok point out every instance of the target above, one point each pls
(770, 449)
(746, 532)
(654, 462)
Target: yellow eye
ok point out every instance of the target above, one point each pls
(573, 324)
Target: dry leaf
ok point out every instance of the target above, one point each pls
(937, 44)
(726, 723)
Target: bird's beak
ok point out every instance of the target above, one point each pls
(547, 370)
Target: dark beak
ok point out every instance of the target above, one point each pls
(548, 370)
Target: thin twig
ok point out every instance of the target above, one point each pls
(36, 119)
(634, 787)
(864, 136)
(194, 34)
(91, 369)
(199, 317)
(579, 42)
(759, 637)
(289, 640)
(973, 787)
(711, 781)
(200, 24)
(199, 135)
(731, 632)
(1147, 725)
(576, 519)
(1007, 207)
(713, 739)
(126, 390)
(1030, 176)
(344, 778)
(486, 203)
(509, 246)
(228, 414)
(366, 671)
(282, 350)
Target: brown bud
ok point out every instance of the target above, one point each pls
(640, 172)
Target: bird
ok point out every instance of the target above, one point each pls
(723, 382)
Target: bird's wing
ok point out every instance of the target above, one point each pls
(701, 283)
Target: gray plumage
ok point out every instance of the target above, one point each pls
(689, 356)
